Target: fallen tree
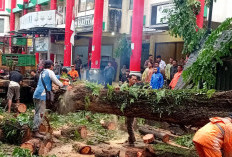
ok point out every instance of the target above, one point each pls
(184, 107)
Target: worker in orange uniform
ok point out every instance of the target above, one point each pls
(215, 138)
(73, 73)
(176, 77)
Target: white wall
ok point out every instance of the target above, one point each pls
(6, 16)
(222, 9)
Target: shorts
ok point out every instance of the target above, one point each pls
(13, 91)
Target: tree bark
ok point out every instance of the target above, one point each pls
(194, 109)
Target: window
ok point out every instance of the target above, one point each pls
(85, 5)
(2, 25)
(131, 5)
(115, 4)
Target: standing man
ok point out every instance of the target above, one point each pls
(150, 59)
(35, 78)
(168, 70)
(73, 73)
(162, 64)
(78, 65)
(133, 79)
(46, 78)
(57, 68)
(109, 74)
(14, 88)
(176, 77)
(157, 80)
(115, 65)
(173, 69)
(215, 138)
(147, 74)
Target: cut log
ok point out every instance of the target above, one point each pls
(71, 132)
(158, 134)
(45, 126)
(149, 138)
(108, 125)
(98, 151)
(31, 145)
(19, 107)
(191, 108)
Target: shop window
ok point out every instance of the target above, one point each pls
(131, 5)
(2, 25)
(115, 4)
(85, 5)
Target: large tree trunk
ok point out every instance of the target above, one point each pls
(183, 107)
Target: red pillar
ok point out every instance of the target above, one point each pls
(200, 16)
(97, 34)
(53, 4)
(12, 21)
(136, 37)
(68, 32)
(37, 54)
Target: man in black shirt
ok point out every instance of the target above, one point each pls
(173, 69)
(14, 87)
(35, 78)
(78, 65)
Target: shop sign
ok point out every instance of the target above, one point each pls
(29, 43)
(19, 41)
(160, 12)
(40, 19)
(41, 44)
(84, 23)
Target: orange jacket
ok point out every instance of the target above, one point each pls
(212, 137)
(73, 74)
(175, 79)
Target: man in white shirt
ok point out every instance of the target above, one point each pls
(162, 64)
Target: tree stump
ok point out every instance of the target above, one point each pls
(19, 107)
(149, 138)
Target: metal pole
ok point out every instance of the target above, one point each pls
(49, 44)
(210, 17)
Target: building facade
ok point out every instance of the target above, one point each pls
(4, 25)
(47, 27)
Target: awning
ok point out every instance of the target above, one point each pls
(43, 2)
(16, 10)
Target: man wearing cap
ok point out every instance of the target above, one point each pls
(73, 73)
(47, 76)
(215, 138)
(14, 87)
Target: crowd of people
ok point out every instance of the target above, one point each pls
(157, 73)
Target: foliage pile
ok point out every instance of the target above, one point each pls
(216, 47)
(97, 133)
(14, 128)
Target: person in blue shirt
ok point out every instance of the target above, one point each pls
(39, 96)
(157, 80)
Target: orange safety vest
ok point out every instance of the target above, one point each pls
(217, 135)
